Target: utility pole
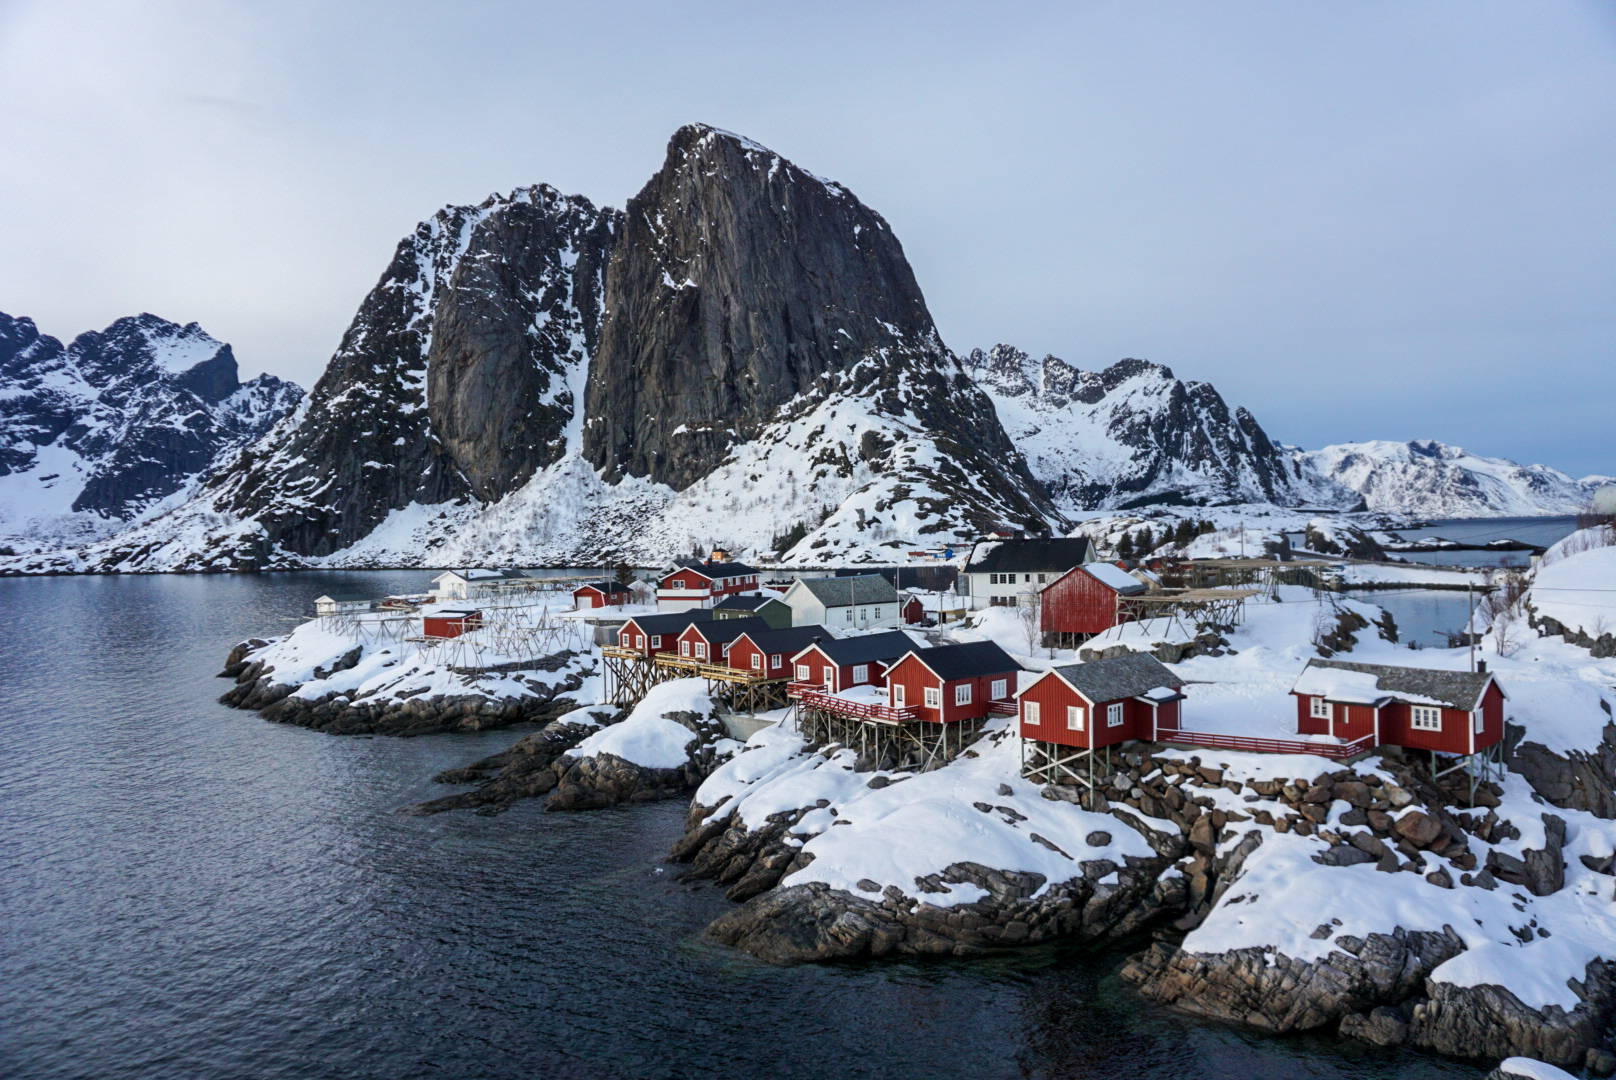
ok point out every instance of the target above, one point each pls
(1470, 624)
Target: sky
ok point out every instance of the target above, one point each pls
(1361, 221)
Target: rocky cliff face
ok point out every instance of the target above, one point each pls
(95, 433)
(1134, 435)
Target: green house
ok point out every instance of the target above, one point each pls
(767, 608)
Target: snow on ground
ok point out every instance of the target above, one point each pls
(1411, 574)
(917, 825)
(1575, 583)
(646, 737)
(1532, 1069)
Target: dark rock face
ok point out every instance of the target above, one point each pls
(522, 771)
(452, 380)
(143, 407)
(1576, 781)
(596, 781)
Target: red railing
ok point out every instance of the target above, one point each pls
(797, 689)
(1264, 746)
(815, 699)
(1002, 708)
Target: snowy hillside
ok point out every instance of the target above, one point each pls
(1133, 435)
(1425, 478)
(100, 431)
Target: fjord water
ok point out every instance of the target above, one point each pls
(189, 891)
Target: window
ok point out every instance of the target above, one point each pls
(701, 650)
(677, 583)
(1042, 578)
(639, 641)
(934, 697)
(897, 695)
(1477, 722)
(830, 675)
(656, 641)
(1074, 717)
(1029, 713)
(864, 614)
(1319, 709)
(802, 673)
(861, 673)
(1113, 715)
(684, 648)
(1025, 578)
(628, 639)
(878, 613)
(1000, 688)
(774, 661)
(993, 579)
(725, 647)
(962, 694)
(757, 661)
(849, 616)
(1427, 718)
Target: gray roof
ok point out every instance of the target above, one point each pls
(344, 597)
(1119, 677)
(844, 591)
(1455, 689)
(1052, 556)
(744, 602)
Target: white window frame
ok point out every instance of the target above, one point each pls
(861, 673)
(639, 641)
(757, 661)
(774, 660)
(962, 694)
(628, 640)
(802, 673)
(877, 614)
(1029, 713)
(725, 650)
(656, 641)
(849, 616)
(1076, 718)
(1425, 717)
(684, 648)
(934, 697)
(830, 675)
(1478, 721)
(1001, 689)
(677, 583)
(1113, 714)
(864, 614)
(701, 650)
(1320, 709)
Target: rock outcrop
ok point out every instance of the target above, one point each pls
(524, 770)
(1578, 780)
(593, 781)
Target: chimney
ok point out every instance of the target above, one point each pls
(1481, 667)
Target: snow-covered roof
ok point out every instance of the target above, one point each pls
(480, 575)
(610, 588)
(1371, 684)
(344, 598)
(1115, 577)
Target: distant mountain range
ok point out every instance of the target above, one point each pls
(96, 433)
(741, 357)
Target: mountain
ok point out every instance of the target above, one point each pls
(1133, 435)
(741, 354)
(100, 431)
(1429, 479)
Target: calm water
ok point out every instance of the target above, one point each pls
(1534, 530)
(188, 891)
(1425, 616)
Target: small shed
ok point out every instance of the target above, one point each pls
(600, 594)
(1446, 712)
(914, 612)
(341, 603)
(1101, 703)
(1084, 601)
(953, 683)
(451, 624)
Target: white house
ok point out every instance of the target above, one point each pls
(863, 602)
(341, 603)
(1008, 573)
(465, 584)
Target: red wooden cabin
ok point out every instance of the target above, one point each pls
(842, 663)
(953, 683)
(768, 653)
(1449, 712)
(600, 594)
(913, 611)
(700, 584)
(451, 624)
(1101, 703)
(1084, 601)
(652, 634)
(708, 640)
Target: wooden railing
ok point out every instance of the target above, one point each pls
(1265, 746)
(817, 699)
(1002, 708)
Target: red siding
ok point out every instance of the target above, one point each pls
(741, 651)
(822, 669)
(628, 636)
(1397, 729)
(597, 598)
(442, 627)
(915, 677)
(1077, 603)
(1054, 697)
(693, 579)
(914, 611)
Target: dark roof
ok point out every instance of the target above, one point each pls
(967, 660)
(456, 613)
(344, 597)
(607, 587)
(1056, 555)
(1119, 677)
(847, 591)
(1455, 689)
(718, 631)
(748, 602)
(477, 573)
(789, 640)
(866, 648)
(711, 569)
(671, 622)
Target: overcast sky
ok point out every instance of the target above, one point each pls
(1362, 221)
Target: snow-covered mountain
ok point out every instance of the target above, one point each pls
(1133, 435)
(1425, 478)
(100, 431)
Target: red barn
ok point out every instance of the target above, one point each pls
(1084, 601)
(700, 584)
(450, 624)
(842, 663)
(708, 640)
(953, 683)
(768, 653)
(1448, 712)
(599, 594)
(1101, 703)
(913, 611)
(652, 634)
